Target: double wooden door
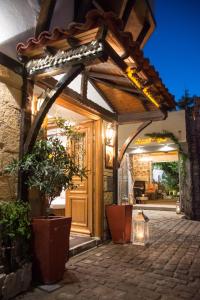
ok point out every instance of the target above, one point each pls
(79, 202)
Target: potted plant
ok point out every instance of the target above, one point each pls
(15, 233)
(50, 167)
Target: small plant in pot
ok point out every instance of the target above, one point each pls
(50, 167)
(15, 232)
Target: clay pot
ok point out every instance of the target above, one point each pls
(119, 219)
(50, 248)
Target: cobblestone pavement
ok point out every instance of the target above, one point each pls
(167, 269)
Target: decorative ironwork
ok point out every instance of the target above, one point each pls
(76, 55)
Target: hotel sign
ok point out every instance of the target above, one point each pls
(62, 58)
(149, 140)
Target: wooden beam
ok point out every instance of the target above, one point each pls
(25, 125)
(11, 64)
(45, 16)
(50, 97)
(84, 85)
(143, 32)
(115, 167)
(111, 77)
(114, 56)
(115, 85)
(102, 95)
(154, 115)
(127, 11)
(84, 103)
(130, 139)
(125, 89)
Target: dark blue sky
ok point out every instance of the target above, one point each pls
(174, 47)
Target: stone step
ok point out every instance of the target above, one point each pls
(155, 207)
(94, 242)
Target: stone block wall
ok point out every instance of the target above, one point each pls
(10, 114)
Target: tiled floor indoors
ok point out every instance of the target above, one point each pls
(167, 269)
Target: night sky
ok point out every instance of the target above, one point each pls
(174, 47)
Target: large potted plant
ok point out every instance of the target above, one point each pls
(50, 167)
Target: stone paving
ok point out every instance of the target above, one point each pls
(167, 269)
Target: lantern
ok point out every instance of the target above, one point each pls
(110, 133)
(140, 229)
(178, 207)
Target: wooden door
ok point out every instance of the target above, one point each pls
(79, 202)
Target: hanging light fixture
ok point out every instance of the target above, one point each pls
(140, 229)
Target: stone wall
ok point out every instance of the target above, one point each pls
(10, 104)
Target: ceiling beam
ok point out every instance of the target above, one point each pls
(102, 95)
(108, 76)
(126, 89)
(49, 99)
(155, 115)
(84, 85)
(11, 64)
(45, 16)
(115, 85)
(77, 99)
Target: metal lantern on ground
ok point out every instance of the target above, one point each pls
(178, 207)
(140, 229)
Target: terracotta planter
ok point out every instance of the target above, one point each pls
(119, 221)
(50, 248)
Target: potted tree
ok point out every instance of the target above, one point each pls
(50, 167)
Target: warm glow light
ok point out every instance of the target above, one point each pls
(178, 208)
(140, 229)
(110, 133)
(130, 73)
(145, 91)
(166, 148)
(138, 150)
(149, 140)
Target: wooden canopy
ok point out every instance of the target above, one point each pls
(111, 60)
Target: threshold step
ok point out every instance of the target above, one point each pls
(155, 207)
(93, 242)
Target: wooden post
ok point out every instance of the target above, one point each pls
(115, 167)
(26, 114)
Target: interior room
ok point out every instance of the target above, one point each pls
(156, 177)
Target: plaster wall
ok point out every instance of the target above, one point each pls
(174, 123)
(10, 113)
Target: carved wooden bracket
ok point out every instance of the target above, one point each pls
(50, 98)
(130, 139)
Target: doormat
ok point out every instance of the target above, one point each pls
(49, 288)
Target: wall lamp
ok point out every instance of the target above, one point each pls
(109, 134)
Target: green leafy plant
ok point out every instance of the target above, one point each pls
(170, 178)
(50, 167)
(182, 155)
(15, 233)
